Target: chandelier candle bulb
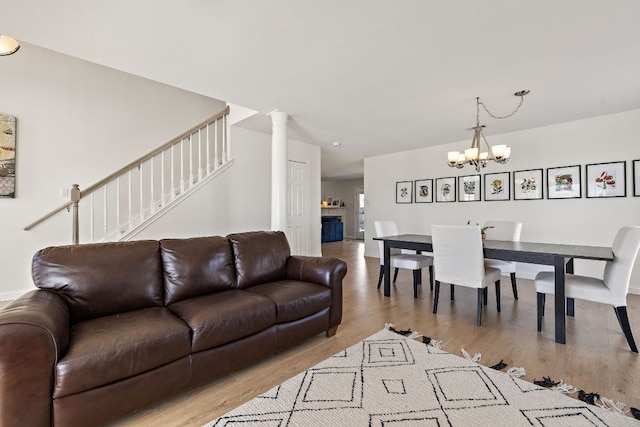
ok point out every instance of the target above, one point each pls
(471, 153)
(453, 156)
(499, 151)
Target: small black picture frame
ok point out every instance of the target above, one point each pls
(606, 179)
(564, 182)
(445, 190)
(423, 191)
(527, 184)
(404, 192)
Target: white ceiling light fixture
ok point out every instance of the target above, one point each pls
(473, 156)
(8, 45)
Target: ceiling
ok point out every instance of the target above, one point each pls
(378, 76)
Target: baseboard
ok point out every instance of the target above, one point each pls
(634, 289)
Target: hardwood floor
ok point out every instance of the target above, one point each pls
(596, 357)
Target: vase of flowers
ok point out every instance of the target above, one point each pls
(483, 230)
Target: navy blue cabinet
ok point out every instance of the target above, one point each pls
(332, 229)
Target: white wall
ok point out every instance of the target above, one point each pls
(579, 221)
(230, 203)
(76, 123)
(345, 190)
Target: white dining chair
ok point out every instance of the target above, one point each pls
(613, 287)
(458, 260)
(508, 231)
(409, 261)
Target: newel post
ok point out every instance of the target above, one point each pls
(75, 198)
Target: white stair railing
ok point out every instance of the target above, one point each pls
(123, 203)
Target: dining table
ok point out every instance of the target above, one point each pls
(560, 256)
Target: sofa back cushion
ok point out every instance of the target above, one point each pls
(260, 257)
(101, 279)
(196, 266)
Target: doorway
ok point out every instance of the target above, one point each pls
(298, 207)
(359, 213)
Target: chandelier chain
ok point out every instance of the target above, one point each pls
(499, 117)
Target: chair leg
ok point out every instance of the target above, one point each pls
(395, 275)
(479, 308)
(485, 295)
(541, 298)
(514, 286)
(420, 277)
(435, 297)
(621, 312)
(452, 293)
(497, 294)
(416, 281)
(571, 307)
(381, 276)
(431, 277)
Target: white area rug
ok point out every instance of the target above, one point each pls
(389, 380)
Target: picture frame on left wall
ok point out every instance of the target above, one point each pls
(636, 178)
(7, 156)
(404, 192)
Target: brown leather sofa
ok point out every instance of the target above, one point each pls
(115, 327)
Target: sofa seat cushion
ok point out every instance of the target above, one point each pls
(224, 317)
(293, 299)
(112, 348)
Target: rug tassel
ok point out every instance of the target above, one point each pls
(589, 398)
(499, 366)
(415, 335)
(565, 388)
(389, 326)
(610, 405)
(517, 372)
(476, 357)
(437, 344)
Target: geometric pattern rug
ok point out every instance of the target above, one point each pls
(394, 381)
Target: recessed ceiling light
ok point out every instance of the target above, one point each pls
(336, 144)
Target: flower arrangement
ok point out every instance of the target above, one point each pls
(483, 230)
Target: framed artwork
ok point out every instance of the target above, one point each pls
(607, 179)
(497, 186)
(7, 156)
(527, 184)
(636, 178)
(424, 191)
(469, 188)
(445, 189)
(336, 201)
(404, 191)
(564, 182)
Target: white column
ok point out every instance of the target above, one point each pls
(279, 161)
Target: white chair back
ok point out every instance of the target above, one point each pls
(457, 255)
(617, 273)
(503, 230)
(383, 229)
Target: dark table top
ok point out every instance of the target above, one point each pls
(513, 250)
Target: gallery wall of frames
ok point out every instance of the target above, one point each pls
(593, 180)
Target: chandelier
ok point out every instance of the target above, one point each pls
(473, 156)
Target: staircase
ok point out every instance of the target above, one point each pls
(125, 202)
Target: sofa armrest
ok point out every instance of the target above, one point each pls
(34, 332)
(324, 271)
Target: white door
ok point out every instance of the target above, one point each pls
(298, 207)
(359, 213)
